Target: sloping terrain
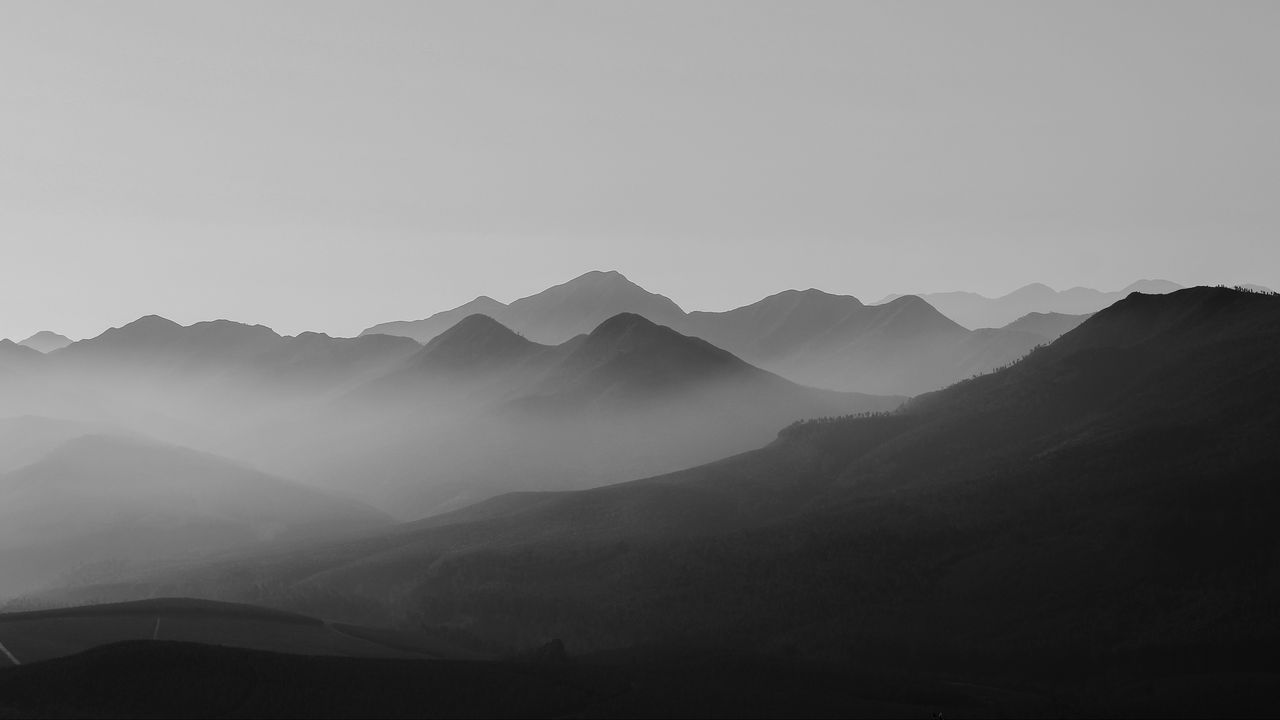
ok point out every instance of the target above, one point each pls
(97, 505)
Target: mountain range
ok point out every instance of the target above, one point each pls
(46, 341)
(413, 429)
(904, 346)
(977, 311)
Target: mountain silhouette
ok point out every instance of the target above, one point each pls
(904, 346)
(629, 356)
(578, 306)
(553, 315)
(811, 337)
(977, 311)
(476, 342)
(428, 328)
(153, 349)
(46, 341)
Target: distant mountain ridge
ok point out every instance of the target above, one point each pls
(553, 315)
(46, 341)
(811, 337)
(977, 311)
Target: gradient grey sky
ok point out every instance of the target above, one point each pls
(327, 166)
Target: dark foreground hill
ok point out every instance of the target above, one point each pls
(164, 679)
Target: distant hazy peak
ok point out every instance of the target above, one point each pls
(597, 282)
(1151, 287)
(627, 322)
(474, 325)
(12, 346)
(46, 341)
(148, 323)
(475, 340)
(812, 295)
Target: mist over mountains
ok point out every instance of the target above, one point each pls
(900, 346)
(673, 486)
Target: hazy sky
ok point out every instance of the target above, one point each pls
(328, 166)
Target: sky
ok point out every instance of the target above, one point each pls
(328, 166)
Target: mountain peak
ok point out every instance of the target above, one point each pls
(46, 341)
(150, 321)
(607, 275)
(598, 281)
(476, 339)
(622, 323)
(1151, 287)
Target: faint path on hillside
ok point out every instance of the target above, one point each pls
(9, 655)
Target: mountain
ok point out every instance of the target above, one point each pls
(630, 358)
(977, 311)
(1049, 326)
(15, 357)
(476, 343)
(426, 329)
(155, 346)
(553, 315)
(98, 504)
(580, 305)
(224, 363)
(1096, 516)
(46, 341)
(810, 337)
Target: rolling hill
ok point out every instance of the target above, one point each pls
(978, 311)
(97, 505)
(553, 315)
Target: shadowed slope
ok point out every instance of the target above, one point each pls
(46, 341)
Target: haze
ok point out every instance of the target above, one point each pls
(329, 166)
